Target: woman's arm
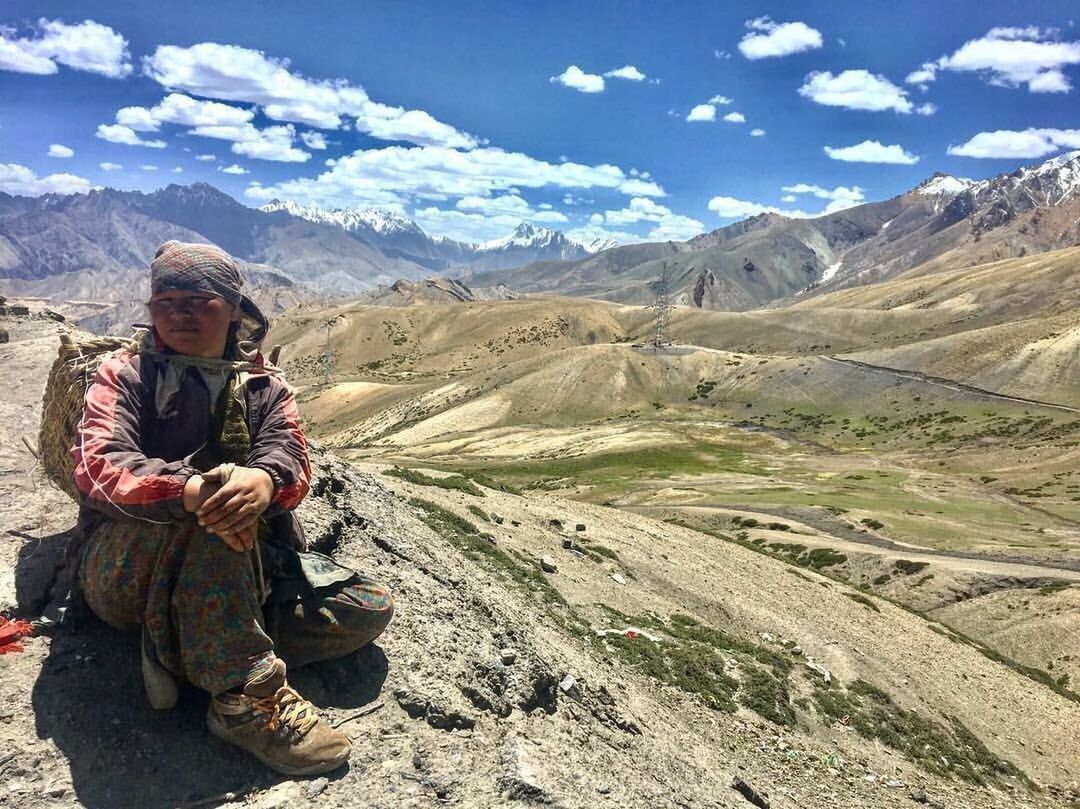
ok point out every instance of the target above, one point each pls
(112, 472)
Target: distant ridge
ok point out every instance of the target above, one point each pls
(769, 258)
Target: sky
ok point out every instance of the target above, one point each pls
(614, 119)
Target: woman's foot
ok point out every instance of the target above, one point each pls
(277, 726)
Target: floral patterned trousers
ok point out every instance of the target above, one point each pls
(199, 603)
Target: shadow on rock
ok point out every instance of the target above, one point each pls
(89, 700)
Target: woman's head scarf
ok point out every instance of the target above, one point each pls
(208, 269)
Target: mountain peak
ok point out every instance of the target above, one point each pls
(941, 184)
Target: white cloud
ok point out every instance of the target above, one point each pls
(839, 198)
(15, 57)
(60, 150)
(872, 151)
(1010, 57)
(182, 110)
(148, 167)
(577, 79)
(490, 221)
(178, 170)
(87, 46)
(768, 38)
(855, 90)
(924, 75)
(757, 133)
(314, 140)
(206, 158)
(118, 133)
(720, 101)
(593, 233)
(1011, 143)
(395, 173)
(233, 73)
(626, 72)
(273, 143)
(732, 208)
(702, 112)
(667, 225)
(926, 109)
(414, 126)
(735, 118)
(19, 180)
(110, 166)
(233, 169)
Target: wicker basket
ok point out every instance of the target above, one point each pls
(62, 405)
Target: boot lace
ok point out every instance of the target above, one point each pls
(289, 714)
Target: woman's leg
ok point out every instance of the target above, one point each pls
(195, 596)
(332, 626)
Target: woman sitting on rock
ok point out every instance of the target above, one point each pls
(189, 459)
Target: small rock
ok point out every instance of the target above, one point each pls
(55, 790)
(547, 564)
(579, 527)
(796, 650)
(567, 683)
(515, 523)
(556, 524)
(619, 579)
(918, 795)
(507, 656)
(497, 518)
(750, 793)
(768, 637)
(894, 783)
(568, 543)
(316, 788)
(604, 789)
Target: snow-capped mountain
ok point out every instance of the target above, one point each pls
(533, 237)
(392, 232)
(385, 223)
(939, 184)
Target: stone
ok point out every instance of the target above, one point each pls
(497, 518)
(556, 524)
(508, 656)
(315, 788)
(547, 564)
(918, 795)
(751, 794)
(568, 543)
(796, 650)
(618, 578)
(894, 783)
(579, 527)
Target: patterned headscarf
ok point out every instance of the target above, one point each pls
(195, 267)
(209, 269)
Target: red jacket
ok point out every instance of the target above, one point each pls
(134, 454)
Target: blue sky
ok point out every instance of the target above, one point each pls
(631, 120)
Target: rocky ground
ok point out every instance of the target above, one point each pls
(491, 687)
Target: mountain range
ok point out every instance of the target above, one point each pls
(96, 245)
(771, 259)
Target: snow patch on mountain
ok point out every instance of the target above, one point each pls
(385, 223)
(944, 185)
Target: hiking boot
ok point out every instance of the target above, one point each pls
(277, 725)
(160, 684)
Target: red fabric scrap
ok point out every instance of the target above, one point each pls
(11, 632)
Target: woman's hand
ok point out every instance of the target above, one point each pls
(196, 491)
(234, 509)
(243, 540)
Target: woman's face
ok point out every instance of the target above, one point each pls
(193, 323)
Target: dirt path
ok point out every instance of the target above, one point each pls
(949, 384)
